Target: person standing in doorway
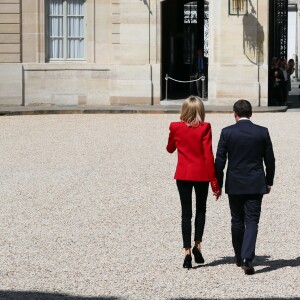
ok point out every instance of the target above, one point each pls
(200, 68)
(285, 90)
(247, 147)
(290, 70)
(192, 138)
(277, 83)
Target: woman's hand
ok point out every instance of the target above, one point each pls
(217, 191)
(218, 194)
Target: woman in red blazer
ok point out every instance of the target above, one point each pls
(195, 169)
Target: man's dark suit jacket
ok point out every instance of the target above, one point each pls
(205, 64)
(247, 147)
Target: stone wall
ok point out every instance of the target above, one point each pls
(10, 31)
(10, 52)
(116, 70)
(122, 62)
(238, 56)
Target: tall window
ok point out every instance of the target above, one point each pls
(65, 29)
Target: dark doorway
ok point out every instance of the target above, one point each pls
(182, 24)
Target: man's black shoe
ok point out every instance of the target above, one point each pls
(247, 267)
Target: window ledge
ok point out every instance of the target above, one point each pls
(65, 66)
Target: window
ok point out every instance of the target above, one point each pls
(238, 7)
(65, 29)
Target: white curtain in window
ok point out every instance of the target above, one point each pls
(56, 7)
(75, 8)
(75, 24)
(55, 28)
(69, 13)
(75, 48)
(75, 27)
(56, 48)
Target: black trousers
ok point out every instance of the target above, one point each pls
(245, 214)
(185, 189)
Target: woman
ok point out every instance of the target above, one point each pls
(195, 169)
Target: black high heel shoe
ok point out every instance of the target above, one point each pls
(198, 255)
(187, 261)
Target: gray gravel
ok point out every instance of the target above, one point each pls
(89, 208)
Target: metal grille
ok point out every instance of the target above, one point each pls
(206, 28)
(280, 28)
(196, 28)
(190, 20)
(190, 13)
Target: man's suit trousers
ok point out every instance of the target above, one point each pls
(245, 214)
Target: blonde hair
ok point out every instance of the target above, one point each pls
(192, 111)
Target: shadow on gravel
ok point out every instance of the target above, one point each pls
(268, 265)
(19, 295)
(267, 298)
(222, 261)
(272, 265)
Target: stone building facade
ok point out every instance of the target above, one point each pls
(107, 52)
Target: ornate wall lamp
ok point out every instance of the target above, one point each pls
(237, 7)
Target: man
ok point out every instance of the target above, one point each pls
(200, 68)
(247, 147)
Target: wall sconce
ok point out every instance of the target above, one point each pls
(238, 7)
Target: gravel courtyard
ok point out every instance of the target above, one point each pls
(89, 210)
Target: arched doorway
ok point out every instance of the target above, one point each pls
(184, 29)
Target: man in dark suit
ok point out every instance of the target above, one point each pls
(247, 146)
(200, 68)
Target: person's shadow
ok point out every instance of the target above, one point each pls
(222, 261)
(272, 265)
(269, 265)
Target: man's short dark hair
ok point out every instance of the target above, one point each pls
(243, 108)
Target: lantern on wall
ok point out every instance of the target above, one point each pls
(238, 7)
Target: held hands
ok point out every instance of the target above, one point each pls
(217, 192)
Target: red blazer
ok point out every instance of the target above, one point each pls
(195, 155)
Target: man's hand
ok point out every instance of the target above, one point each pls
(268, 189)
